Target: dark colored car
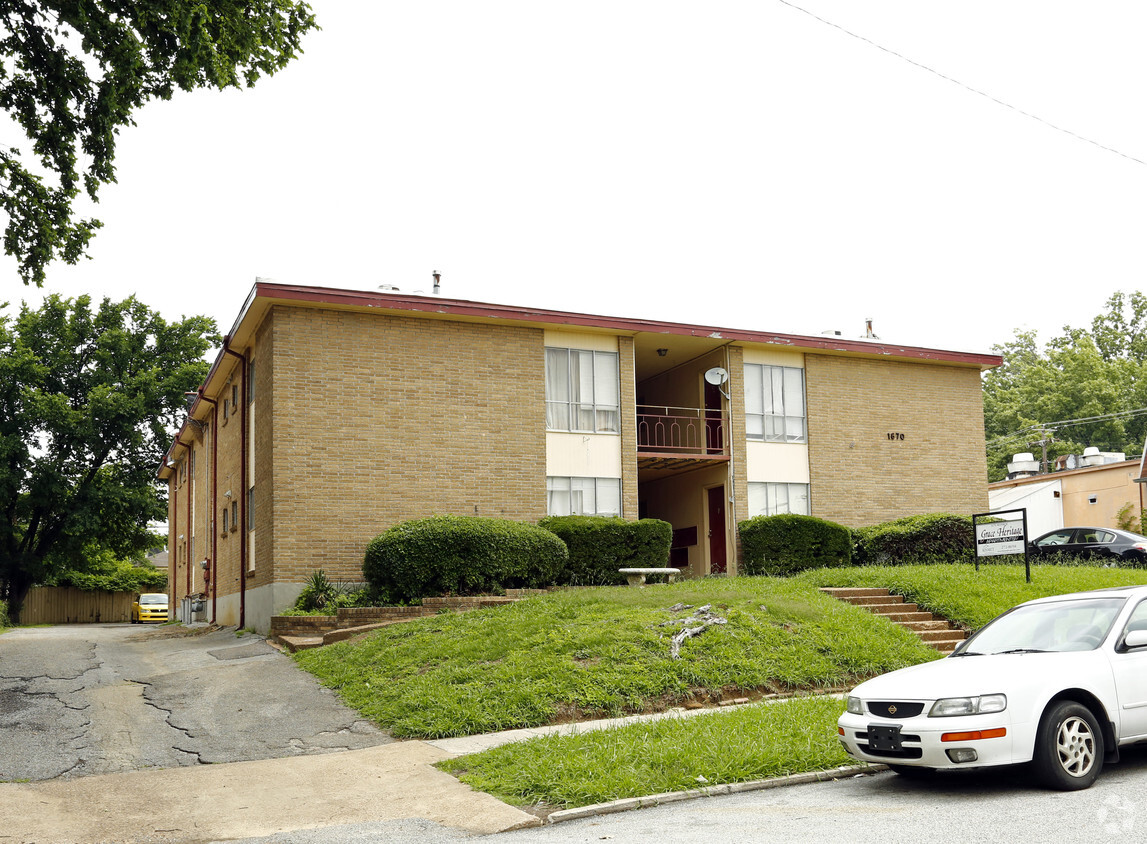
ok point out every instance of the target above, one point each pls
(1092, 542)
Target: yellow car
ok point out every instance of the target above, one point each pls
(150, 606)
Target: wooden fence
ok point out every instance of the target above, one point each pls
(68, 605)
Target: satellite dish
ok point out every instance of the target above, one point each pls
(716, 376)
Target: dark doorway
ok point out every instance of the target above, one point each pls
(717, 561)
(714, 430)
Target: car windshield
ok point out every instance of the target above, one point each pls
(1056, 626)
(153, 599)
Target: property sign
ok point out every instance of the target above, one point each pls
(997, 538)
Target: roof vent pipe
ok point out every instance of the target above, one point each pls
(437, 278)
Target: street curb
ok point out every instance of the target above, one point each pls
(629, 803)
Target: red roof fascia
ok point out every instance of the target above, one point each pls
(629, 325)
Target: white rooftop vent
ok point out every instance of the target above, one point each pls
(1092, 457)
(1023, 466)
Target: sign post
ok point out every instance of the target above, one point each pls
(999, 537)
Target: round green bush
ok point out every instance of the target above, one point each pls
(461, 555)
(788, 543)
(600, 545)
(931, 538)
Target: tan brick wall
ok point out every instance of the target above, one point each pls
(263, 435)
(175, 526)
(739, 510)
(184, 575)
(376, 419)
(229, 478)
(628, 387)
(858, 475)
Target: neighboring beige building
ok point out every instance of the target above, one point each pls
(331, 415)
(1082, 496)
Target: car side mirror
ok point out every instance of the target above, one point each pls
(1135, 639)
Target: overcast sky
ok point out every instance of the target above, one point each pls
(738, 164)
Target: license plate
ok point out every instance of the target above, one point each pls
(884, 738)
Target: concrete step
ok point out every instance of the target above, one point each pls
(934, 632)
(941, 635)
(906, 616)
(870, 600)
(300, 643)
(846, 592)
(935, 624)
(943, 647)
(891, 609)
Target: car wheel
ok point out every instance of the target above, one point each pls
(912, 772)
(1068, 748)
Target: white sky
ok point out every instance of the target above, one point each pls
(738, 164)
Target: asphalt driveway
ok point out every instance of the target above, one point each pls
(118, 733)
(105, 698)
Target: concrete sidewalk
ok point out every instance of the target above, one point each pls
(249, 799)
(242, 800)
(263, 797)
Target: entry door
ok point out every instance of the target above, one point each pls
(717, 561)
(714, 439)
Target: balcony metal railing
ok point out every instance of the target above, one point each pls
(681, 430)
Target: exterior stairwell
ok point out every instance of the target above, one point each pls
(935, 632)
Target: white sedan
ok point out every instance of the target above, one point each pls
(1059, 682)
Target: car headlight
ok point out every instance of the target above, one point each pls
(854, 705)
(948, 706)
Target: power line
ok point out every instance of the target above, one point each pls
(1024, 433)
(963, 85)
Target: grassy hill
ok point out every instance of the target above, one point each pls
(591, 652)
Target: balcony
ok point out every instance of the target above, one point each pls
(669, 437)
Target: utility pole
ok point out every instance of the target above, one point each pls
(1045, 439)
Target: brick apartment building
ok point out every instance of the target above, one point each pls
(330, 415)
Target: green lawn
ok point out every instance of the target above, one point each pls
(973, 598)
(596, 652)
(593, 652)
(671, 754)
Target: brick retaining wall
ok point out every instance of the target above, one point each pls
(317, 625)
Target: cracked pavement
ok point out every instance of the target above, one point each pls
(88, 699)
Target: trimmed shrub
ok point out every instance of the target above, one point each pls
(930, 538)
(788, 543)
(461, 555)
(600, 545)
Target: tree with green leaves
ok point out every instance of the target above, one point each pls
(1085, 387)
(89, 399)
(72, 73)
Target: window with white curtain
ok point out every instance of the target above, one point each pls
(772, 499)
(582, 391)
(775, 403)
(583, 496)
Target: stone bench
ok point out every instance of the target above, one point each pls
(636, 577)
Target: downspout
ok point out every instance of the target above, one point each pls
(242, 487)
(214, 497)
